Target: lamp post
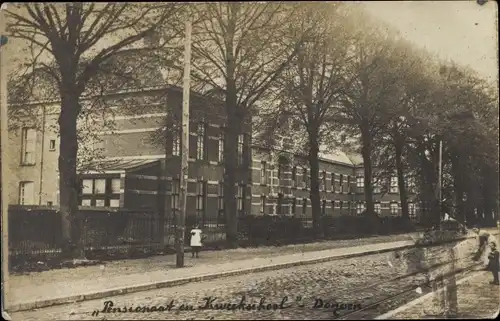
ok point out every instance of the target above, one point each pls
(4, 138)
(181, 225)
(464, 199)
(440, 178)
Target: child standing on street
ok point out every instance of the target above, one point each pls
(195, 240)
(494, 263)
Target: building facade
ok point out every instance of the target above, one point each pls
(139, 163)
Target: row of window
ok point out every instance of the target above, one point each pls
(28, 146)
(360, 206)
(201, 138)
(305, 181)
(106, 193)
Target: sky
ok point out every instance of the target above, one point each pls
(462, 31)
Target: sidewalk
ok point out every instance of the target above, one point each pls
(477, 299)
(41, 289)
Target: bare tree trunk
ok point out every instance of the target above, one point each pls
(401, 179)
(458, 186)
(230, 160)
(366, 152)
(233, 127)
(72, 222)
(489, 192)
(314, 192)
(161, 206)
(428, 181)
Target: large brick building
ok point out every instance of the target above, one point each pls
(133, 157)
(134, 146)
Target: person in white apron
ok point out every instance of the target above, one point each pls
(195, 241)
(484, 238)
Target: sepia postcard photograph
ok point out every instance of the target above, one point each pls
(253, 160)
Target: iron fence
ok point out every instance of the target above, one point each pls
(35, 232)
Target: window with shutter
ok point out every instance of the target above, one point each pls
(26, 193)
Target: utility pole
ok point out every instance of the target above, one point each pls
(440, 177)
(181, 225)
(4, 167)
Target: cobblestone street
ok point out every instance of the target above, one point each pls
(343, 281)
(291, 292)
(477, 299)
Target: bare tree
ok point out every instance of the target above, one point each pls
(308, 92)
(371, 88)
(239, 50)
(79, 39)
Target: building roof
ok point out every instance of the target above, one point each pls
(116, 165)
(355, 158)
(337, 156)
(330, 155)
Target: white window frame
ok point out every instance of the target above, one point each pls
(240, 199)
(27, 196)
(115, 189)
(86, 202)
(200, 206)
(114, 203)
(360, 207)
(200, 141)
(341, 183)
(221, 147)
(52, 145)
(263, 204)
(323, 180)
(377, 208)
(305, 177)
(411, 184)
(360, 182)
(28, 146)
(221, 196)
(411, 209)
(88, 183)
(96, 192)
(100, 203)
(176, 142)
(263, 173)
(280, 204)
(333, 182)
(174, 196)
(394, 184)
(394, 207)
(241, 143)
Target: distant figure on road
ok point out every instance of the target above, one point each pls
(195, 240)
(494, 263)
(483, 239)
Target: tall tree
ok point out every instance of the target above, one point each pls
(371, 87)
(308, 91)
(471, 107)
(412, 69)
(80, 39)
(239, 49)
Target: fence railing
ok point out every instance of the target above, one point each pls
(35, 232)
